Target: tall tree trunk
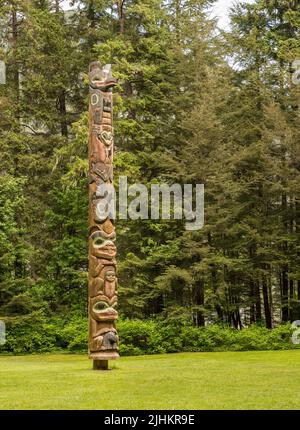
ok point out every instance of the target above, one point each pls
(16, 73)
(177, 21)
(284, 273)
(267, 308)
(284, 295)
(57, 6)
(238, 319)
(252, 306)
(121, 13)
(63, 113)
(297, 311)
(219, 312)
(199, 301)
(61, 101)
(271, 300)
(234, 320)
(258, 314)
(291, 300)
(215, 287)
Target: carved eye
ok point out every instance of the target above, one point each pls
(114, 305)
(98, 241)
(100, 306)
(95, 99)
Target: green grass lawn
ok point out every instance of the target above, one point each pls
(215, 380)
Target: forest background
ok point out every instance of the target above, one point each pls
(194, 104)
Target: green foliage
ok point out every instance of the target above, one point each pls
(139, 337)
(35, 335)
(183, 114)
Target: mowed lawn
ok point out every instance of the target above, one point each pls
(227, 380)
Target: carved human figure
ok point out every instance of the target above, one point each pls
(110, 282)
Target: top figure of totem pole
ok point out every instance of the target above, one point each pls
(103, 338)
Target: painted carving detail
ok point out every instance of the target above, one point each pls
(103, 296)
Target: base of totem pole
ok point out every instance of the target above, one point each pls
(100, 361)
(100, 365)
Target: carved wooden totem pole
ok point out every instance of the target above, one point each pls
(103, 338)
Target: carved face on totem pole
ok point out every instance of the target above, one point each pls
(103, 338)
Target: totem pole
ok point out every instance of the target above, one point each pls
(103, 338)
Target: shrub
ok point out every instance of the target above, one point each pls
(141, 337)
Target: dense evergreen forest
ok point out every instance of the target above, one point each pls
(194, 104)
